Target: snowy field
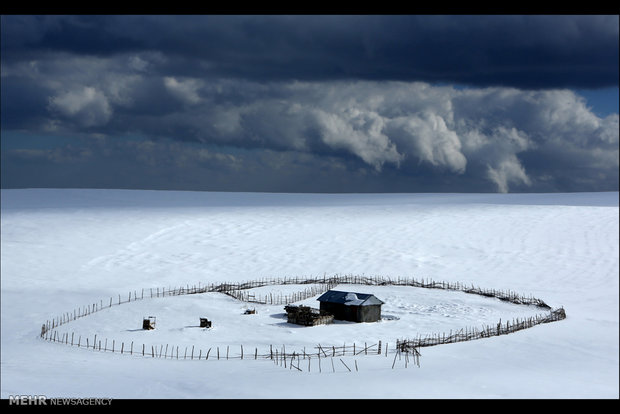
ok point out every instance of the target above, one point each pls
(64, 249)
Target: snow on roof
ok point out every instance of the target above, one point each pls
(350, 298)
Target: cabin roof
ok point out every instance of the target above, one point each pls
(350, 298)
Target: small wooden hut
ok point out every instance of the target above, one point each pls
(205, 323)
(350, 306)
(148, 323)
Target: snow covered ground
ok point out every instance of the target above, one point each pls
(64, 249)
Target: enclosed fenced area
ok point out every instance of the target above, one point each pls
(407, 349)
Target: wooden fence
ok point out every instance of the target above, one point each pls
(280, 299)
(239, 291)
(470, 334)
(49, 330)
(279, 355)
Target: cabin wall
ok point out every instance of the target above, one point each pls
(370, 313)
(335, 309)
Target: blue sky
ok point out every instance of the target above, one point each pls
(319, 103)
(603, 101)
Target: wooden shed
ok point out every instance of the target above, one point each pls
(351, 306)
(148, 322)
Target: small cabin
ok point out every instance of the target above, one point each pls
(351, 306)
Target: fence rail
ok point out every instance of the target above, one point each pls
(279, 355)
(470, 334)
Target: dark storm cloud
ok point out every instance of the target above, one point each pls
(519, 51)
(23, 104)
(510, 139)
(308, 103)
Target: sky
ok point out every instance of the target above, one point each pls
(311, 103)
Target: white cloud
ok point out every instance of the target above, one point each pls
(359, 132)
(487, 131)
(426, 137)
(608, 128)
(506, 171)
(457, 131)
(137, 63)
(185, 90)
(86, 106)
